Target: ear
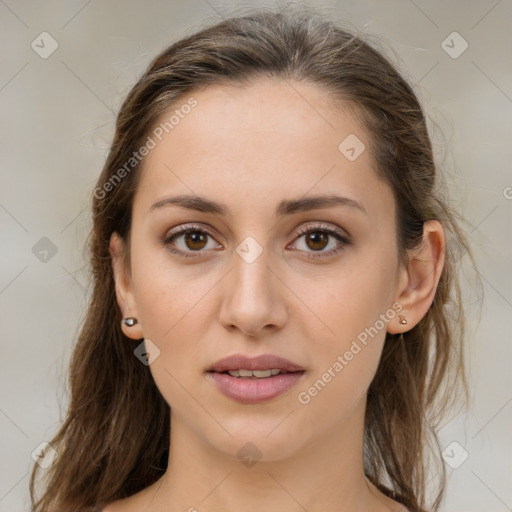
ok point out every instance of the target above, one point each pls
(124, 289)
(418, 279)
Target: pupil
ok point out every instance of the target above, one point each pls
(191, 239)
(317, 238)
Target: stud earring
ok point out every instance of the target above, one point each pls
(403, 320)
(129, 322)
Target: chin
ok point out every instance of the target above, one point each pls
(266, 441)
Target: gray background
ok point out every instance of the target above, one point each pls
(57, 121)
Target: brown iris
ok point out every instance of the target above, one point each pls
(318, 240)
(195, 241)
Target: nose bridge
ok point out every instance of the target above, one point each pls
(251, 270)
(252, 279)
(252, 299)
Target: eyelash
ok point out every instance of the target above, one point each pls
(191, 228)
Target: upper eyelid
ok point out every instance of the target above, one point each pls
(184, 228)
(325, 227)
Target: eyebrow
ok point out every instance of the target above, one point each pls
(285, 207)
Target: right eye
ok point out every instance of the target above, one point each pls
(188, 239)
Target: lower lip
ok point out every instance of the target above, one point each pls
(253, 391)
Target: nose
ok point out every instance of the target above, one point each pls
(252, 298)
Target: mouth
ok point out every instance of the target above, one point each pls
(255, 374)
(254, 380)
(261, 363)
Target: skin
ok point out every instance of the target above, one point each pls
(249, 148)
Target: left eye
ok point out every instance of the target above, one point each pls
(318, 240)
(189, 241)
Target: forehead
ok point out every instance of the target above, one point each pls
(256, 144)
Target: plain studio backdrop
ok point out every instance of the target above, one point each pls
(66, 66)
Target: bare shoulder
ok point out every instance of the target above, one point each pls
(392, 505)
(108, 507)
(387, 503)
(398, 507)
(117, 506)
(130, 505)
(134, 503)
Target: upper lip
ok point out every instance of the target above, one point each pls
(261, 362)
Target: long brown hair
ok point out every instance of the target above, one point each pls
(114, 440)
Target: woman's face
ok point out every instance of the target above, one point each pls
(269, 272)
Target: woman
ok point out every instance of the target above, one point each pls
(271, 321)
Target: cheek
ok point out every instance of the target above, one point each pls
(351, 299)
(174, 303)
(166, 293)
(355, 308)
(172, 306)
(173, 309)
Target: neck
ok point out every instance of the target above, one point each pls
(324, 475)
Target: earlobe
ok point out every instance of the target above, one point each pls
(419, 279)
(124, 293)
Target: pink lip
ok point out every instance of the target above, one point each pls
(252, 390)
